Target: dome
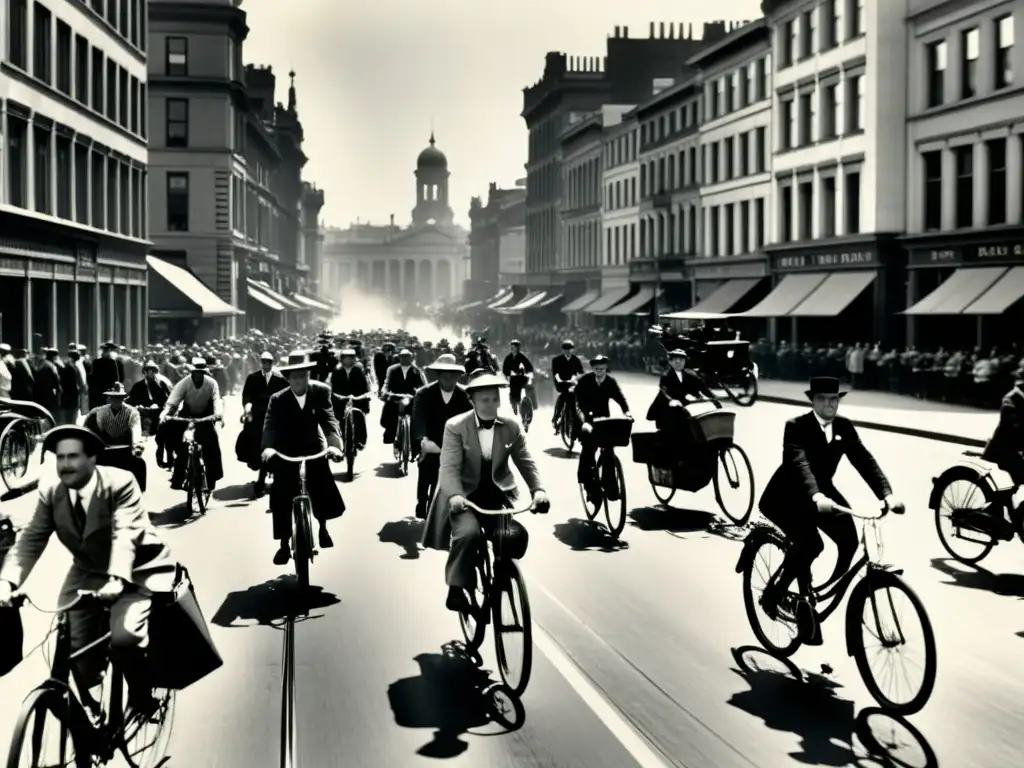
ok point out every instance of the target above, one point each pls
(432, 157)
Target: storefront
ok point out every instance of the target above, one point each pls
(181, 307)
(580, 292)
(965, 289)
(665, 277)
(834, 292)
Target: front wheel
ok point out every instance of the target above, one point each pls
(198, 498)
(566, 429)
(961, 498)
(663, 493)
(733, 469)
(513, 627)
(615, 508)
(15, 453)
(474, 623)
(890, 618)
(43, 736)
(302, 540)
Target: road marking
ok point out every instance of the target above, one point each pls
(634, 742)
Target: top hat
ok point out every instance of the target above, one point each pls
(824, 385)
(297, 361)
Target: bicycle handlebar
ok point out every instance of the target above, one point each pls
(118, 447)
(199, 420)
(885, 509)
(18, 599)
(364, 396)
(498, 512)
(298, 459)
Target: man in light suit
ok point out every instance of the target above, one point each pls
(97, 514)
(475, 451)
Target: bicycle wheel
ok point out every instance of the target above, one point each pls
(406, 445)
(199, 494)
(888, 630)
(15, 453)
(302, 540)
(663, 493)
(616, 521)
(745, 392)
(566, 430)
(512, 619)
(526, 412)
(43, 734)
(590, 507)
(474, 624)
(734, 463)
(145, 742)
(961, 497)
(779, 637)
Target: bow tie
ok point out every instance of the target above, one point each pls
(486, 424)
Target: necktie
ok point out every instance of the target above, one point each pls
(486, 424)
(79, 510)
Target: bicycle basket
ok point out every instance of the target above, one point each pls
(510, 539)
(612, 432)
(649, 448)
(713, 425)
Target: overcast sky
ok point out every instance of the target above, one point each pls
(373, 75)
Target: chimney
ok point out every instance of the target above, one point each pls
(616, 32)
(672, 30)
(651, 32)
(625, 32)
(661, 30)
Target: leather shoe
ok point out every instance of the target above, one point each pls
(326, 542)
(458, 601)
(283, 555)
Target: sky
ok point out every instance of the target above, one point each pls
(373, 77)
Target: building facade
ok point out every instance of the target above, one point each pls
(484, 243)
(512, 236)
(965, 171)
(73, 170)
(837, 169)
(728, 267)
(418, 265)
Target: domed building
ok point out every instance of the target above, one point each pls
(418, 264)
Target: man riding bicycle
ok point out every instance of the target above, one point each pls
(349, 380)
(801, 493)
(516, 368)
(594, 392)
(300, 422)
(565, 368)
(97, 514)
(403, 378)
(475, 452)
(117, 423)
(1005, 448)
(199, 397)
(432, 406)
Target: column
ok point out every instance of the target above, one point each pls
(76, 313)
(74, 183)
(840, 201)
(129, 320)
(54, 317)
(1014, 177)
(53, 159)
(3, 152)
(89, 180)
(948, 189)
(979, 183)
(111, 325)
(28, 314)
(30, 155)
(97, 313)
(30, 43)
(144, 313)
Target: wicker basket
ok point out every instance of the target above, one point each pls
(713, 426)
(612, 431)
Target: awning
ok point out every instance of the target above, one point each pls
(958, 291)
(581, 301)
(312, 303)
(502, 299)
(264, 288)
(608, 300)
(262, 298)
(644, 296)
(549, 301)
(186, 294)
(1007, 291)
(721, 300)
(835, 294)
(786, 296)
(470, 305)
(531, 300)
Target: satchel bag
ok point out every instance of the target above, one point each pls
(181, 651)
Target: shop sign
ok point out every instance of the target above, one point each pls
(85, 259)
(999, 251)
(989, 252)
(713, 271)
(828, 260)
(937, 256)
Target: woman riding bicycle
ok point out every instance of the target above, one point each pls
(677, 386)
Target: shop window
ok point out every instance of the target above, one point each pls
(786, 213)
(996, 150)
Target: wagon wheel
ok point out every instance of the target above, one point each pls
(744, 393)
(663, 493)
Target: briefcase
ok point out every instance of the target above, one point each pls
(181, 651)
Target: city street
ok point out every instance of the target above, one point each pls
(641, 649)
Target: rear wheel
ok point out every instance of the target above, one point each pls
(302, 540)
(43, 735)
(474, 624)
(663, 493)
(779, 636)
(743, 391)
(146, 740)
(962, 497)
(615, 510)
(513, 627)
(15, 453)
(732, 471)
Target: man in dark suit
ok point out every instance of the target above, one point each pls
(801, 496)
(676, 387)
(300, 420)
(68, 391)
(1005, 448)
(383, 359)
(106, 371)
(22, 377)
(433, 405)
(349, 379)
(564, 369)
(257, 390)
(47, 388)
(403, 378)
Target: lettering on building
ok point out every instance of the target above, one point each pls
(825, 260)
(1004, 251)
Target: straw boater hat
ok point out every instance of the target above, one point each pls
(446, 362)
(482, 378)
(198, 364)
(297, 361)
(117, 390)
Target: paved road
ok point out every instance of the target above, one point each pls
(652, 628)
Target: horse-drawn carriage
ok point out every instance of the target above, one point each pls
(22, 424)
(723, 363)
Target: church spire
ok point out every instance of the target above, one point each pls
(432, 142)
(291, 92)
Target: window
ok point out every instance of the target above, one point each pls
(830, 111)
(805, 194)
(42, 170)
(853, 203)
(806, 118)
(748, 89)
(112, 219)
(856, 27)
(744, 152)
(932, 162)
(762, 79)
(729, 148)
(99, 198)
(829, 25)
(713, 99)
(716, 232)
(744, 238)
(97, 80)
(124, 199)
(758, 223)
(17, 31)
(714, 176)
(177, 202)
(806, 34)
(17, 162)
(760, 149)
(63, 57)
(41, 40)
(786, 214)
(122, 97)
(111, 111)
(1004, 52)
(143, 120)
(996, 150)
(177, 56)
(964, 186)
(936, 53)
(64, 170)
(787, 126)
(828, 206)
(133, 108)
(729, 101)
(786, 43)
(81, 69)
(729, 247)
(81, 183)
(970, 40)
(112, 13)
(856, 117)
(122, 18)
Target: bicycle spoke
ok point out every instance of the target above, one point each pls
(893, 639)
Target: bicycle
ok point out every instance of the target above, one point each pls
(566, 425)
(140, 478)
(196, 491)
(524, 408)
(403, 435)
(348, 429)
(86, 741)
(498, 575)
(22, 425)
(876, 578)
(607, 481)
(303, 550)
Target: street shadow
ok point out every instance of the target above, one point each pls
(175, 516)
(267, 603)
(560, 452)
(239, 492)
(389, 471)
(893, 741)
(454, 696)
(804, 704)
(670, 519)
(406, 533)
(976, 577)
(588, 536)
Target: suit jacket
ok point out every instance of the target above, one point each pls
(117, 540)
(430, 412)
(671, 388)
(68, 384)
(461, 459)
(1006, 446)
(298, 431)
(156, 393)
(809, 465)
(352, 382)
(258, 391)
(106, 371)
(47, 389)
(566, 369)
(397, 384)
(22, 378)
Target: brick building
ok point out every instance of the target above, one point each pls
(484, 243)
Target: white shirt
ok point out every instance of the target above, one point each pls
(447, 396)
(826, 427)
(486, 440)
(679, 375)
(405, 370)
(301, 399)
(268, 376)
(85, 493)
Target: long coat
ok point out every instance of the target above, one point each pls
(354, 382)
(461, 459)
(47, 388)
(430, 413)
(258, 391)
(1004, 447)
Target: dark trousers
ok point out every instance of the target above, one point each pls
(588, 455)
(426, 482)
(206, 436)
(358, 425)
(803, 525)
(468, 531)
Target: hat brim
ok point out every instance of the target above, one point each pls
(118, 393)
(68, 432)
(811, 393)
(296, 367)
(486, 382)
(449, 367)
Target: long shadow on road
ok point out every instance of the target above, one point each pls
(976, 577)
(267, 603)
(406, 534)
(588, 536)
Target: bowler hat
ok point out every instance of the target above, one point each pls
(297, 361)
(482, 378)
(91, 442)
(677, 353)
(824, 385)
(347, 352)
(446, 362)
